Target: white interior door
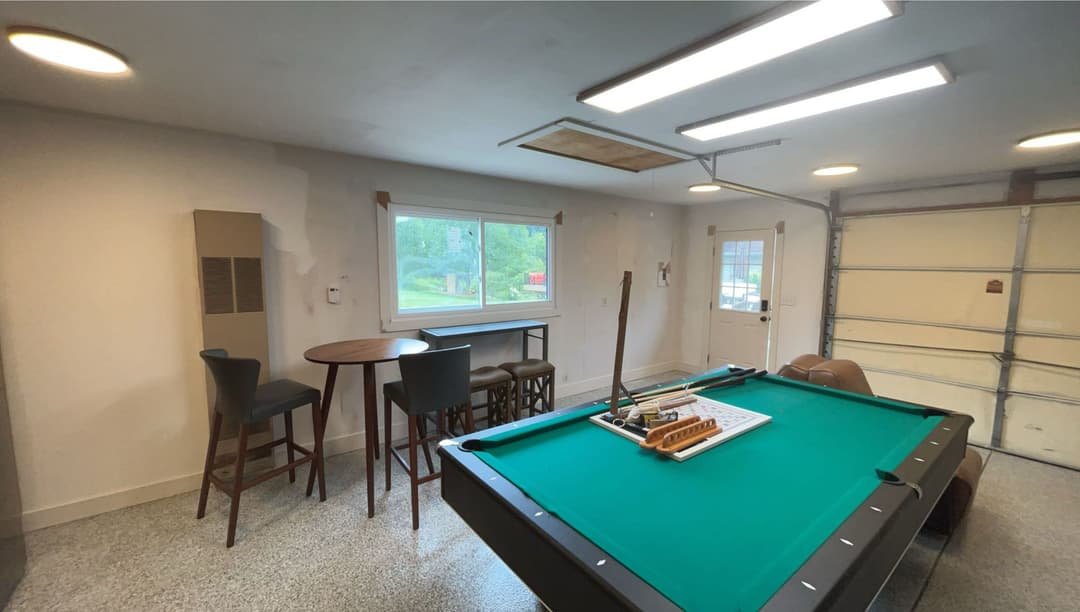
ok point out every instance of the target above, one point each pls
(740, 316)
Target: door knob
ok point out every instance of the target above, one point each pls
(764, 318)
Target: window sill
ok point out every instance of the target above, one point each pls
(447, 319)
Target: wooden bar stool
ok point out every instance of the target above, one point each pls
(534, 385)
(431, 382)
(241, 398)
(498, 385)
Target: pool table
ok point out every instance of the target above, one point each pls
(811, 511)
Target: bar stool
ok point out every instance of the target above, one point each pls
(498, 385)
(431, 382)
(241, 398)
(534, 383)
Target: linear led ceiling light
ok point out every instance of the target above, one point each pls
(788, 28)
(1051, 139)
(836, 170)
(68, 51)
(852, 93)
(703, 187)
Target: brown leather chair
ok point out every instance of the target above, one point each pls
(841, 374)
(846, 375)
(799, 368)
(957, 498)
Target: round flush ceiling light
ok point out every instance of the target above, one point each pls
(704, 187)
(67, 51)
(836, 170)
(1050, 139)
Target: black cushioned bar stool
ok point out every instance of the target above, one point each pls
(240, 398)
(534, 385)
(431, 382)
(498, 384)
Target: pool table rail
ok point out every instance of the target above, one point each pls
(852, 565)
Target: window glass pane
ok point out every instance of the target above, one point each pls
(727, 274)
(727, 297)
(757, 251)
(742, 252)
(753, 292)
(753, 277)
(515, 262)
(438, 263)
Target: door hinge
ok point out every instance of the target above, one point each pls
(710, 305)
(707, 358)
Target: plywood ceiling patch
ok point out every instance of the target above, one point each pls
(599, 150)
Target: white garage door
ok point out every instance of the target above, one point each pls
(923, 304)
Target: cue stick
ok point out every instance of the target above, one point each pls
(652, 393)
(727, 382)
(620, 341)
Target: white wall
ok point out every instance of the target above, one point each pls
(798, 313)
(99, 296)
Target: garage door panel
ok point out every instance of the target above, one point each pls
(958, 298)
(1042, 429)
(981, 370)
(931, 240)
(978, 404)
(920, 285)
(1050, 303)
(1051, 350)
(898, 333)
(1052, 237)
(1036, 378)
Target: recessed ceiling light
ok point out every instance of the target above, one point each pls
(1050, 139)
(704, 187)
(851, 93)
(836, 170)
(67, 51)
(789, 28)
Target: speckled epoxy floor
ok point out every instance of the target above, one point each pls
(1017, 551)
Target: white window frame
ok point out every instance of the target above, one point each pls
(393, 320)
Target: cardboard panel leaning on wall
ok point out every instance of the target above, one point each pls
(237, 323)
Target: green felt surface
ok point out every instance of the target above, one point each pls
(754, 508)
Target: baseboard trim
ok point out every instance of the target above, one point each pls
(33, 520)
(91, 506)
(41, 518)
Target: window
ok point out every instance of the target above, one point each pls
(446, 261)
(741, 263)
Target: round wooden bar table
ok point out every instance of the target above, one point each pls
(366, 352)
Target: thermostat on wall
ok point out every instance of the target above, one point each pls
(333, 294)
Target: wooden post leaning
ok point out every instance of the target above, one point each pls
(616, 377)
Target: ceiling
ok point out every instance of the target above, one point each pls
(441, 84)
